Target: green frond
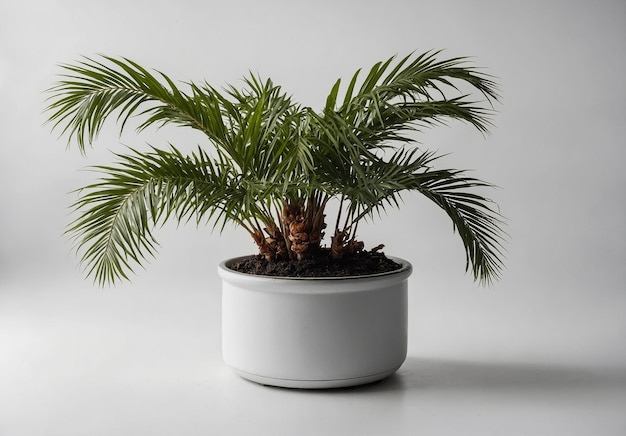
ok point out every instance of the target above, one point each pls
(479, 226)
(113, 231)
(92, 91)
(413, 93)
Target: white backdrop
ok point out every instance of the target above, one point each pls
(557, 153)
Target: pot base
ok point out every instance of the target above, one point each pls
(313, 384)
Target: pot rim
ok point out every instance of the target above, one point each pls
(224, 270)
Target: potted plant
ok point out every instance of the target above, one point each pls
(304, 311)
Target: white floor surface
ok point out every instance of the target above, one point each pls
(145, 361)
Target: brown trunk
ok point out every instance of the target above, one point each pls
(336, 244)
(267, 247)
(305, 225)
(339, 247)
(273, 246)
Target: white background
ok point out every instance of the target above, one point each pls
(541, 352)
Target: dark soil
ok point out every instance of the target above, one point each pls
(322, 265)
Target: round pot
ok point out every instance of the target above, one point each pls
(314, 332)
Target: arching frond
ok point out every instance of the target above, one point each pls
(392, 101)
(478, 224)
(91, 91)
(113, 231)
(413, 93)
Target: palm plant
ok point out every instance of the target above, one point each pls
(274, 165)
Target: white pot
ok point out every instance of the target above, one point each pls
(314, 332)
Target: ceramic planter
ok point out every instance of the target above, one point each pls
(314, 332)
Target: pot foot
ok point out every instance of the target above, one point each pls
(314, 384)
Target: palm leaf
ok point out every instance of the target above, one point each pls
(392, 101)
(92, 91)
(116, 215)
(477, 223)
(412, 95)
